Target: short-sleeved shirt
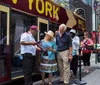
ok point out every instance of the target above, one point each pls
(51, 44)
(75, 45)
(64, 42)
(28, 37)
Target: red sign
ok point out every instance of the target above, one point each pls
(49, 10)
(98, 37)
(44, 8)
(93, 37)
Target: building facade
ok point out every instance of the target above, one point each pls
(88, 12)
(86, 5)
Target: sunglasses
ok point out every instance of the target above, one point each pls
(85, 34)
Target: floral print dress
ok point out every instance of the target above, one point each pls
(48, 62)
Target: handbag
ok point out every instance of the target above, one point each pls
(89, 47)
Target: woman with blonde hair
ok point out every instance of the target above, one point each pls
(48, 62)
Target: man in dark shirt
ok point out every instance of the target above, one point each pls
(64, 55)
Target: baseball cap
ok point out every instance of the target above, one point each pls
(73, 31)
(33, 27)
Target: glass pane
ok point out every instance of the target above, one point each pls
(19, 24)
(43, 29)
(3, 46)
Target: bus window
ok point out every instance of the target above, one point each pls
(43, 25)
(20, 23)
(3, 53)
(53, 26)
(43, 28)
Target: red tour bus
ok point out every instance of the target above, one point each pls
(15, 18)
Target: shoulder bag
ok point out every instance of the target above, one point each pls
(89, 47)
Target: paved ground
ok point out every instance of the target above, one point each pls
(92, 78)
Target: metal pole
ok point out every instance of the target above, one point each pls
(80, 78)
(95, 7)
(96, 28)
(80, 81)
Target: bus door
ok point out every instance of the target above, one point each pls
(43, 25)
(4, 43)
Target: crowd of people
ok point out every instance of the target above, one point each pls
(59, 52)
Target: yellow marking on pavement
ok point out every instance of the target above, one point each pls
(17, 77)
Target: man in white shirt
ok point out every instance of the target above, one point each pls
(28, 51)
(75, 50)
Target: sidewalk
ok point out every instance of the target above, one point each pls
(93, 78)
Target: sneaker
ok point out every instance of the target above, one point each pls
(73, 76)
(66, 84)
(50, 83)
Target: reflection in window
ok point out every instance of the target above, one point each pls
(53, 26)
(43, 29)
(19, 24)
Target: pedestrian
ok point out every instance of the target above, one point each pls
(28, 51)
(48, 62)
(86, 53)
(64, 54)
(75, 52)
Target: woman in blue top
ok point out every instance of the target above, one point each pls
(48, 62)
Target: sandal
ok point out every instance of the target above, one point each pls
(50, 83)
(87, 71)
(73, 76)
(43, 83)
(84, 71)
